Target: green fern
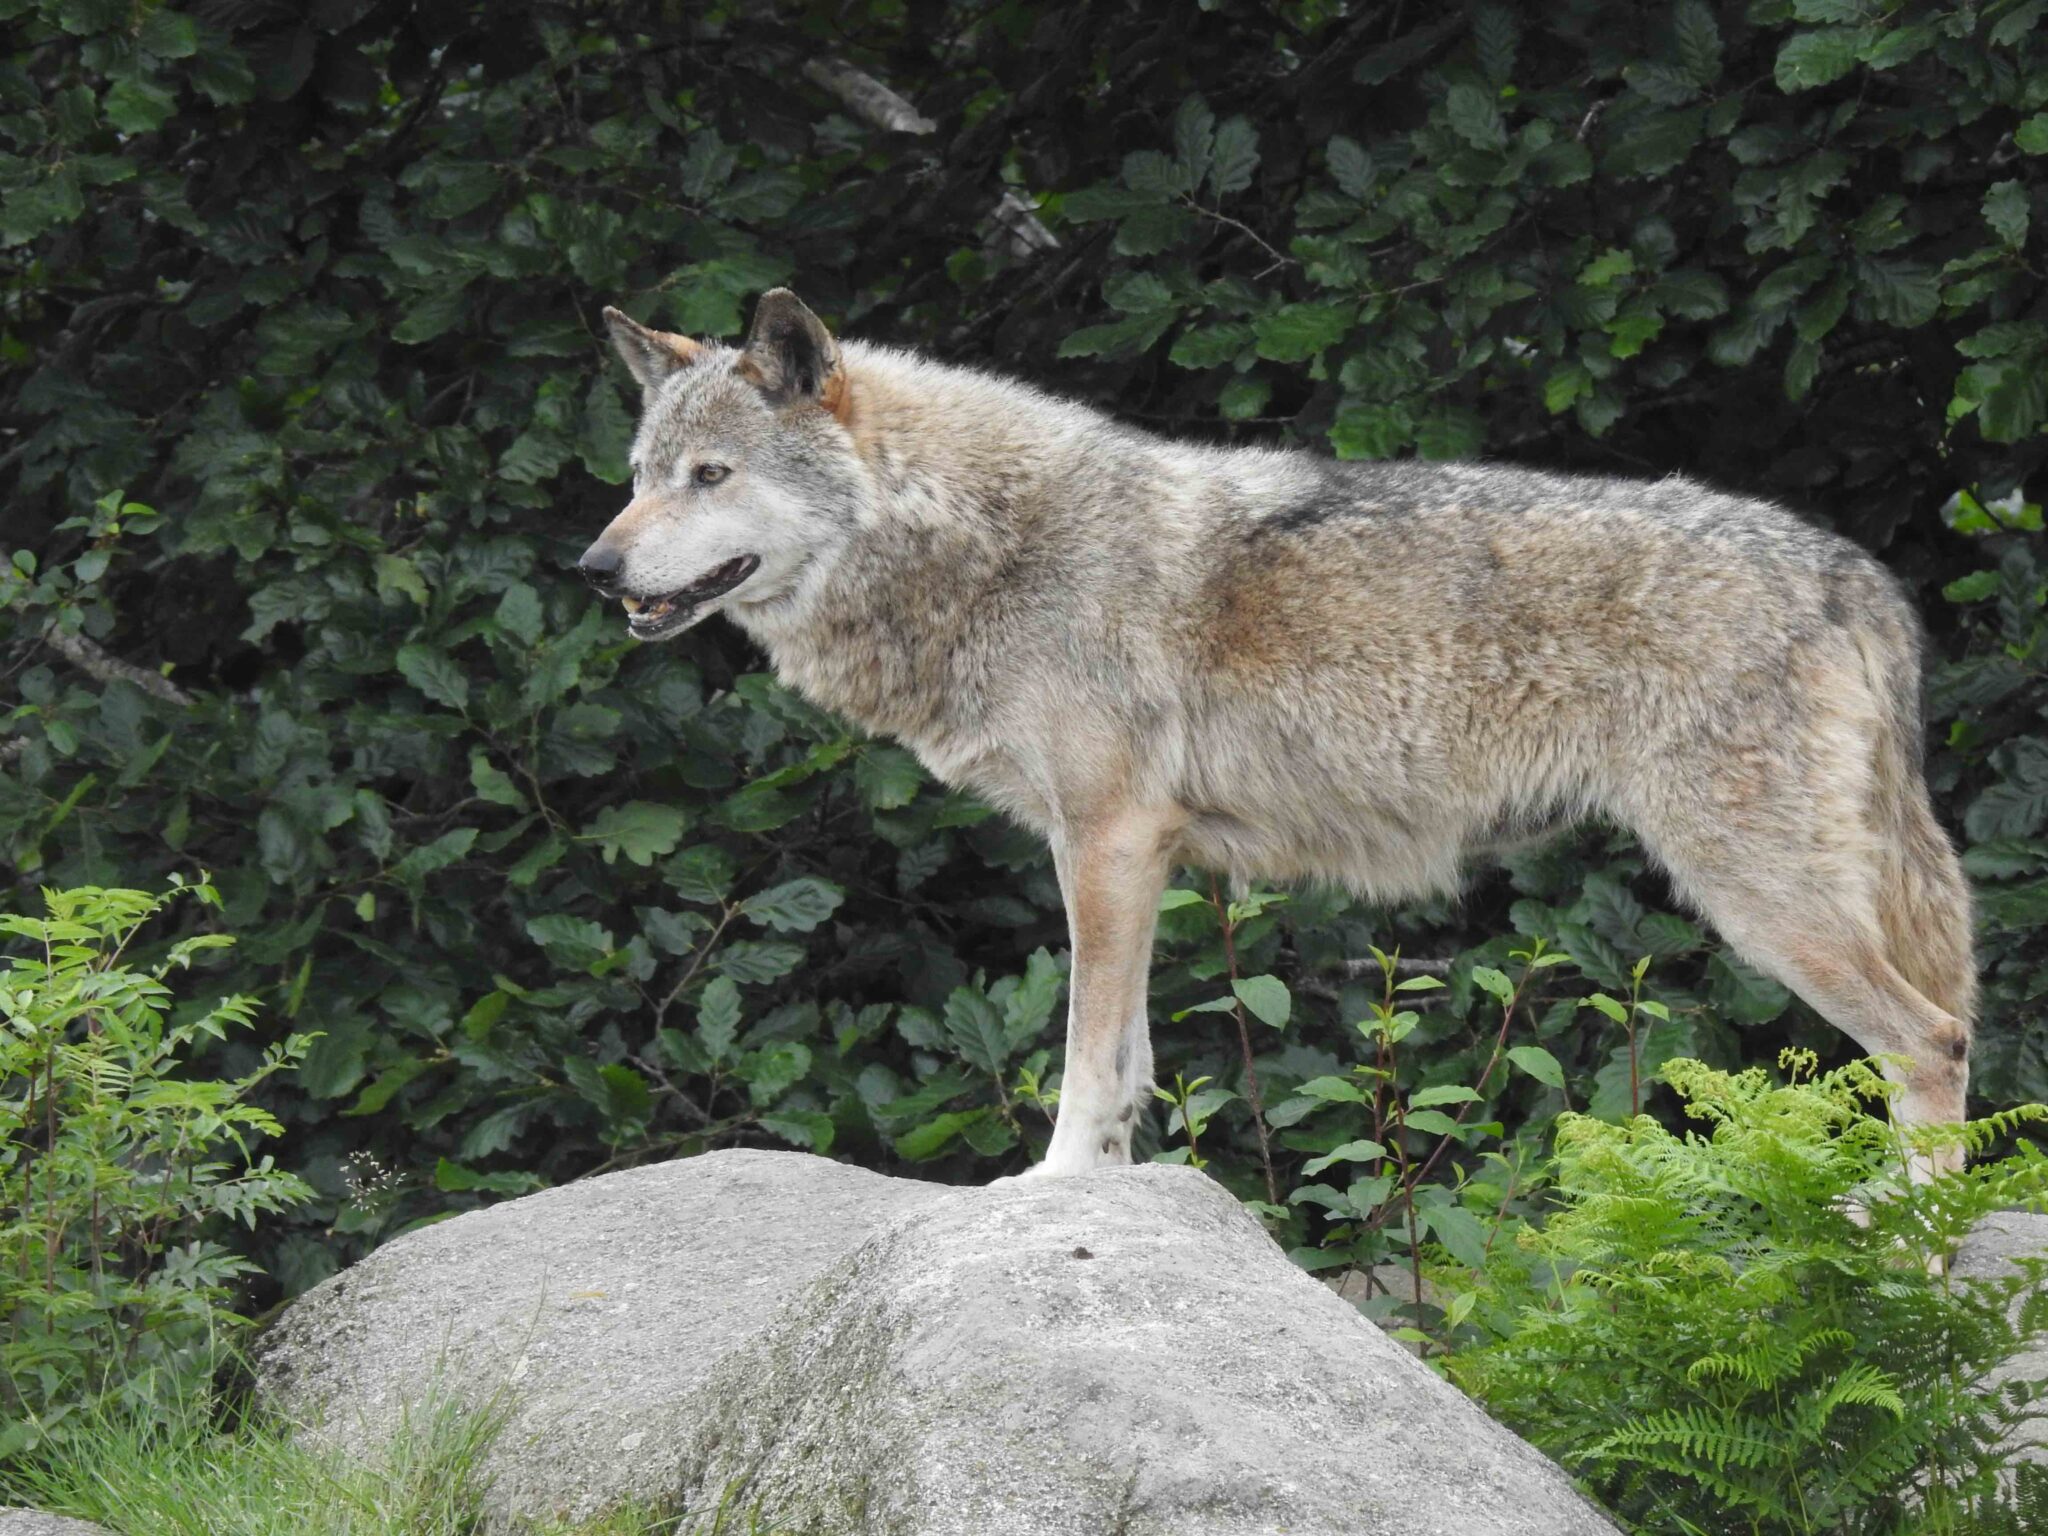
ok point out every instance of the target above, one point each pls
(1748, 1330)
(1696, 1434)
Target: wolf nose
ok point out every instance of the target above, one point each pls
(600, 567)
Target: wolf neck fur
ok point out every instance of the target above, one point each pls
(972, 501)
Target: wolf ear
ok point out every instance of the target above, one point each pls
(791, 355)
(650, 356)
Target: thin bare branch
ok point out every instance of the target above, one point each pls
(1279, 260)
(91, 658)
(866, 97)
(1024, 234)
(1403, 966)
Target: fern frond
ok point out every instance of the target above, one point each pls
(1860, 1385)
(1702, 1436)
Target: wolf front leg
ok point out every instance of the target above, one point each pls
(1112, 872)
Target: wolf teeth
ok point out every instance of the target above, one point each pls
(631, 604)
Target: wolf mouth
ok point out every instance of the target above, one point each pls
(652, 618)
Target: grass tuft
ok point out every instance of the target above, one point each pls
(198, 1470)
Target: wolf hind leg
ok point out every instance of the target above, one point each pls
(1802, 924)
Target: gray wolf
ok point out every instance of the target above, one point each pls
(1275, 665)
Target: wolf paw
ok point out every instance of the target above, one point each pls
(1045, 1170)
(1109, 1150)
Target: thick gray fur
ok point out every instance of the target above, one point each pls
(1285, 668)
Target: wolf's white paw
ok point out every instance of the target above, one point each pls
(1035, 1172)
(1084, 1141)
(1080, 1154)
(1045, 1170)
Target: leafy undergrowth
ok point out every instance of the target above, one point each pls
(120, 1171)
(1751, 1330)
(124, 1175)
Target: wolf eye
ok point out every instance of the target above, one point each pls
(709, 474)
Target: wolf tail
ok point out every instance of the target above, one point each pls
(1923, 899)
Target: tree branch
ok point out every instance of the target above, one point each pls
(866, 97)
(89, 657)
(1403, 966)
(1023, 232)
(1353, 970)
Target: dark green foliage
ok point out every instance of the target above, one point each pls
(1709, 1333)
(320, 286)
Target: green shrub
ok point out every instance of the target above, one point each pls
(119, 1173)
(1404, 1154)
(1739, 1331)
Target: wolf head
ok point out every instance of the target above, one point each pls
(745, 480)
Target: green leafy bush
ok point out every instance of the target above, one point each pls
(305, 415)
(1411, 1148)
(1751, 1331)
(119, 1173)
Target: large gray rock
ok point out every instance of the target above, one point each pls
(1125, 1351)
(588, 1315)
(33, 1522)
(1996, 1242)
(1988, 1253)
